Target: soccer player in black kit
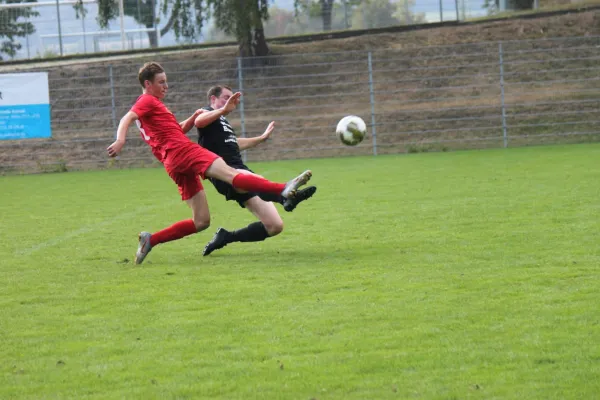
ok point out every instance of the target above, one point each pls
(216, 134)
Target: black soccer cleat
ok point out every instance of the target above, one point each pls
(220, 240)
(301, 195)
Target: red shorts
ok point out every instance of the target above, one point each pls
(185, 164)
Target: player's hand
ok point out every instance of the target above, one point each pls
(232, 103)
(115, 148)
(268, 131)
(198, 112)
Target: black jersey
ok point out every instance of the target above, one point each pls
(220, 138)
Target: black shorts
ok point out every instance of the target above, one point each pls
(229, 192)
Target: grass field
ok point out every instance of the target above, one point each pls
(428, 276)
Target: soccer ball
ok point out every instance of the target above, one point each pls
(351, 130)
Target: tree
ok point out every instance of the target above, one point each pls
(375, 14)
(244, 19)
(14, 26)
(325, 10)
(241, 18)
(279, 23)
(142, 11)
(406, 16)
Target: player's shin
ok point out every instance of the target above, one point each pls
(176, 231)
(253, 183)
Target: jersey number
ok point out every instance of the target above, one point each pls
(139, 125)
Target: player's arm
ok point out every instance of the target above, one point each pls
(247, 143)
(115, 148)
(189, 123)
(207, 118)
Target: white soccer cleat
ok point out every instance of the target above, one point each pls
(143, 248)
(290, 188)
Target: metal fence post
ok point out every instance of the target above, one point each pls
(83, 30)
(346, 21)
(240, 89)
(456, 7)
(504, 130)
(373, 127)
(112, 99)
(59, 28)
(27, 40)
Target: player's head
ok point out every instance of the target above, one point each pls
(153, 79)
(218, 95)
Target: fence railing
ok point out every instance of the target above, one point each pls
(69, 27)
(437, 98)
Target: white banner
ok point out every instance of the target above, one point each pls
(24, 106)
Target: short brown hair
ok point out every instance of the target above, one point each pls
(148, 71)
(216, 91)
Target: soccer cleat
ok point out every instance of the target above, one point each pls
(143, 248)
(301, 195)
(218, 241)
(292, 186)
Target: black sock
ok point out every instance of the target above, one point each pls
(275, 198)
(255, 232)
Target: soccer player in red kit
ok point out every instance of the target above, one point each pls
(184, 160)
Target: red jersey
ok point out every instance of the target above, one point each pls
(158, 126)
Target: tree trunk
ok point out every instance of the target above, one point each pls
(165, 29)
(152, 38)
(326, 11)
(251, 35)
(259, 42)
(516, 4)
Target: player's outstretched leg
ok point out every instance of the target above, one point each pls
(254, 183)
(290, 204)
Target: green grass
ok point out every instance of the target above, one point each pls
(428, 276)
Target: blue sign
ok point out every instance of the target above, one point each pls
(24, 106)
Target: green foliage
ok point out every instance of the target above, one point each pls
(381, 13)
(374, 14)
(142, 11)
(355, 14)
(327, 10)
(15, 24)
(240, 18)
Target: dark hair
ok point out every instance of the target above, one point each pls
(216, 91)
(148, 71)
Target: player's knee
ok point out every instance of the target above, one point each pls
(201, 223)
(274, 227)
(221, 171)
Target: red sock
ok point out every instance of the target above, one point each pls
(253, 183)
(176, 231)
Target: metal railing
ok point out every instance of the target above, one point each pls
(69, 27)
(437, 98)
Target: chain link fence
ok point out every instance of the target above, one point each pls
(436, 98)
